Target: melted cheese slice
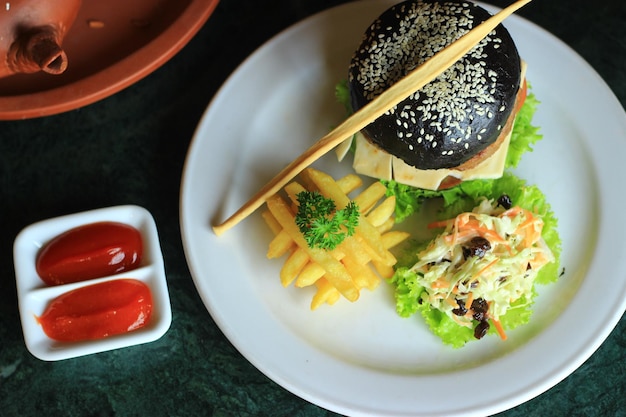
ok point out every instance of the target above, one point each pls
(372, 161)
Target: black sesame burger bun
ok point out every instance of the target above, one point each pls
(460, 114)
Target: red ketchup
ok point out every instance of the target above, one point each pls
(90, 251)
(98, 311)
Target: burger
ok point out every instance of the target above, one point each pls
(457, 127)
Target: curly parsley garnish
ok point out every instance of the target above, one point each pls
(322, 225)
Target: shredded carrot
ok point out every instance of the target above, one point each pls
(439, 224)
(475, 226)
(530, 221)
(512, 212)
(470, 224)
(499, 328)
(453, 238)
(463, 218)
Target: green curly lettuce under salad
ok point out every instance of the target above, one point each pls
(497, 239)
(478, 276)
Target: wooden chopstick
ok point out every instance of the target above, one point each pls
(412, 82)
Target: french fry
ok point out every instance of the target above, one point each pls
(382, 212)
(394, 238)
(354, 248)
(372, 243)
(368, 198)
(325, 293)
(349, 183)
(356, 261)
(309, 275)
(280, 245)
(293, 266)
(386, 226)
(293, 189)
(383, 270)
(390, 240)
(362, 274)
(271, 222)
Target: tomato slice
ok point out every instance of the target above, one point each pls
(98, 311)
(521, 96)
(90, 251)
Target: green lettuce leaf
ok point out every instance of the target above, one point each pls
(524, 133)
(342, 94)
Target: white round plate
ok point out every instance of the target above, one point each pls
(361, 358)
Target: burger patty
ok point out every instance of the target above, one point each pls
(457, 116)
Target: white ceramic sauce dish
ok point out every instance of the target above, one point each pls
(34, 294)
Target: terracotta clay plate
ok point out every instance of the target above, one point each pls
(110, 46)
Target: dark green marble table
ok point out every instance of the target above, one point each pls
(130, 148)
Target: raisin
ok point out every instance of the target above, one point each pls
(481, 329)
(478, 316)
(477, 246)
(461, 310)
(479, 304)
(479, 308)
(505, 201)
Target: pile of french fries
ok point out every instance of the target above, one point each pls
(358, 262)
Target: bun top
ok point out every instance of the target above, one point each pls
(458, 114)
